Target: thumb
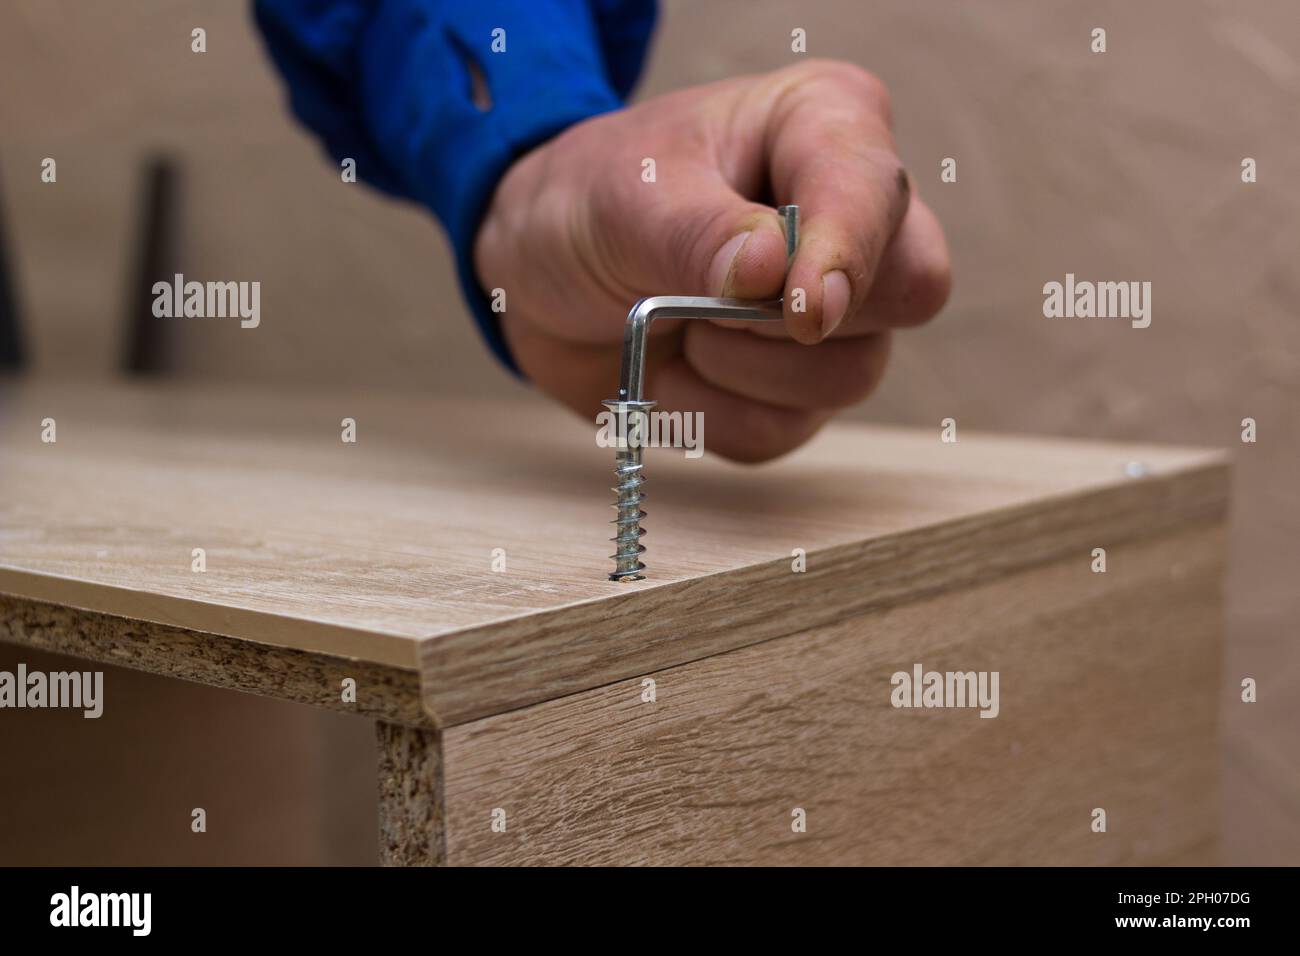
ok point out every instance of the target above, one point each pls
(703, 238)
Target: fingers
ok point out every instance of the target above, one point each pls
(912, 282)
(914, 277)
(832, 153)
(735, 427)
(836, 374)
(755, 406)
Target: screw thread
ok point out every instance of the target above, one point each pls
(629, 479)
(627, 541)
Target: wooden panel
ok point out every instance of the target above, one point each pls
(299, 676)
(1108, 698)
(522, 661)
(381, 551)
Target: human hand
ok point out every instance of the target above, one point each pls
(575, 236)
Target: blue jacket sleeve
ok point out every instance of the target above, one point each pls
(388, 83)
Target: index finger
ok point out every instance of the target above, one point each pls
(832, 153)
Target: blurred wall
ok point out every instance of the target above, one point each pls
(279, 784)
(1123, 165)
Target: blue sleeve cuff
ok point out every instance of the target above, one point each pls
(388, 82)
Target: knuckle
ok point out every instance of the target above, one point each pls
(927, 290)
(821, 77)
(862, 79)
(864, 84)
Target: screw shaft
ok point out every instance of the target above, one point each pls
(628, 471)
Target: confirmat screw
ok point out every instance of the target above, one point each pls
(631, 418)
(631, 409)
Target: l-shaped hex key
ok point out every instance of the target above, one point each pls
(631, 402)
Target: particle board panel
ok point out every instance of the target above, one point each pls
(302, 677)
(1108, 697)
(411, 831)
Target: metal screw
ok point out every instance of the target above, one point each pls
(627, 467)
(631, 406)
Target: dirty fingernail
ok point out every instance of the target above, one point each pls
(835, 300)
(720, 267)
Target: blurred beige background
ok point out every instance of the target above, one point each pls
(1115, 166)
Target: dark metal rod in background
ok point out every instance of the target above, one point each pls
(11, 342)
(149, 342)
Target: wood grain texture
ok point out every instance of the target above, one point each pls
(1108, 698)
(301, 677)
(490, 669)
(410, 796)
(381, 552)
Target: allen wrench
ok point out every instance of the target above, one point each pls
(632, 406)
